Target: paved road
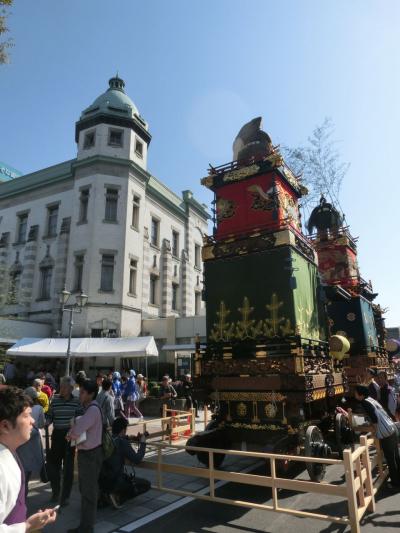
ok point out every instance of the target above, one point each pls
(198, 516)
(157, 511)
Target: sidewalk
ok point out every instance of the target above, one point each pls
(114, 520)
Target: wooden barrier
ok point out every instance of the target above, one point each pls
(358, 489)
(179, 424)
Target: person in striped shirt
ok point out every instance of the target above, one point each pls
(60, 460)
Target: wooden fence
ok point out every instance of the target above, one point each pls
(359, 488)
(173, 425)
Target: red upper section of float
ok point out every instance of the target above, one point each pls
(338, 265)
(261, 202)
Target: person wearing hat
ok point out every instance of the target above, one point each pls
(167, 393)
(132, 395)
(187, 391)
(31, 453)
(117, 391)
(142, 387)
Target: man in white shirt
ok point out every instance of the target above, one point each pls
(15, 429)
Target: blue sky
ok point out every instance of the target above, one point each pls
(197, 70)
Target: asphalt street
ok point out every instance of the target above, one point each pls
(198, 516)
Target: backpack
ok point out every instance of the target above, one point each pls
(107, 442)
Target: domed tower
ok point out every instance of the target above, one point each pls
(107, 206)
(112, 126)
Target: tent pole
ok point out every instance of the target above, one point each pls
(68, 362)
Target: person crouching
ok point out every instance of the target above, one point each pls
(114, 480)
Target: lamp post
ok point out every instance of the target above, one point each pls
(80, 302)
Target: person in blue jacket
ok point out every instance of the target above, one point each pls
(132, 395)
(117, 391)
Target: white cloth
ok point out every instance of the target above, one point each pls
(385, 426)
(10, 484)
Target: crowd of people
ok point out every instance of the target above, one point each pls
(75, 413)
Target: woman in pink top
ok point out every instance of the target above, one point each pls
(90, 454)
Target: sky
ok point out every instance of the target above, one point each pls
(198, 70)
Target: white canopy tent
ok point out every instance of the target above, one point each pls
(85, 347)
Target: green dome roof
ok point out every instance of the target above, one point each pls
(113, 102)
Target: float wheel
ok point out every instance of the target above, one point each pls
(314, 446)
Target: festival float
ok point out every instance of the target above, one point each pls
(278, 348)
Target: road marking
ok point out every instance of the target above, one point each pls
(179, 503)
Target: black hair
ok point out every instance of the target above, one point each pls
(119, 425)
(13, 402)
(90, 386)
(372, 371)
(80, 377)
(362, 390)
(106, 384)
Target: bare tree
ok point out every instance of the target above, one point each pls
(4, 44)
(319, 164)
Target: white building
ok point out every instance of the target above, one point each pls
(101, 223)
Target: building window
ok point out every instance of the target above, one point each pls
(13, 287)
(197, 255)
(110, 214)
(22, 228)
(175, 271)
(135, 212)
(83, 206)
(132, 276)
(107, 272)
(175, 289)
(154, 261)
(139, 148)
(175, 243)
(45, 283)
(115, 137)
(79, 262)
(52, 218)
(155, 231)
(197, 302)
(96, 332)
(89, 140)
(153, 289)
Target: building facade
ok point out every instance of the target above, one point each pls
(103, 225)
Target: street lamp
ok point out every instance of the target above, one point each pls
(80, 302)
